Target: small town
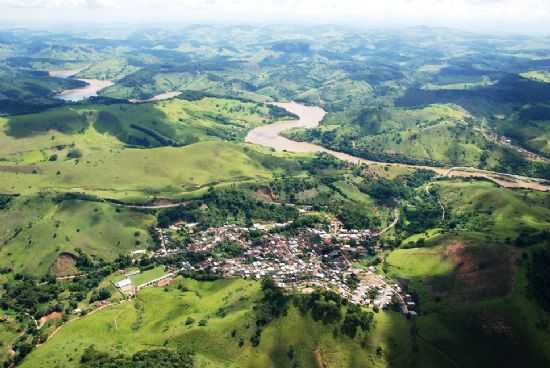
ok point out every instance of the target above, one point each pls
(301, 262)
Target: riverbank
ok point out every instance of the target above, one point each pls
(92, 88)
(311, 116)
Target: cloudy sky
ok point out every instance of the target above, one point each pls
(479, 15)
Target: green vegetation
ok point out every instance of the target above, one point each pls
(113, 173)
(529, 127)
(499, 213)
(474, 256)
(52, 230)
(226, 305)
(64, 121)
(148, 275)
(470, 277)
(418, 262)
(147, 358)
(82, 154)
(176, 122)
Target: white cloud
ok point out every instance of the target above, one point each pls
(506, 15)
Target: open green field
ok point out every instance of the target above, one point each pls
(144, 277)
(499, 213)
(159, 318)
(418, 262)
(528, 127)
(126, 172)
(73, 149)
(484, 82)
(34, 231)
(439, 133)
(171, 122)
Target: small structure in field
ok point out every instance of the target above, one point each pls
(125, 286)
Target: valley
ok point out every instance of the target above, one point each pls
(310, 117)
(246, 196)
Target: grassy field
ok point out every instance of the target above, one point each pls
(34, 231)
(499, 213)
(528, 127)
(135, 173)
(439, 133)
(110, 68)
(418, 262)
(81, 154)
(171, 122)
(159, 318)
(143, 277)
(484, 82)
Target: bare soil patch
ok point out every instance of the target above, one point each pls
(481, 272)
(19, 169)
(265, 193)
(64, 265)
(54, 315)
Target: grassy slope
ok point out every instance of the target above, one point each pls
(498, 212)
(418, 262)
(464, 298)
(110, 169)
(9, 332)
(180, 120)
(98, 229)
(163, 325)
(528, 127)
(434, 133)
(462, 329)
(121, 172)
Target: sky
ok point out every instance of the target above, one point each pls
(509, 16)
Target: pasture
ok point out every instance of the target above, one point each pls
(215, 320)
(46, 228)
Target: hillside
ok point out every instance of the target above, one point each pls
(174, 218)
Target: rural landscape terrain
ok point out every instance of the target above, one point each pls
(247, 196)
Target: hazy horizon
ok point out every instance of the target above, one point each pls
(504, 16)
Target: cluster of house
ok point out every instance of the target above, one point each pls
(311, 258)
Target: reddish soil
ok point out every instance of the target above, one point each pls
(64, 265)
(54, 315)
(265, 193)
(481, 271)
(165, 282)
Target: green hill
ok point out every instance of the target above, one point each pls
(167, 319)
(35, 232)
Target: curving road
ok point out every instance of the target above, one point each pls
(311, 116)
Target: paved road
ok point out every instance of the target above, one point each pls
(311, 116)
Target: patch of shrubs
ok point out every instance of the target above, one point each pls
(158, 358)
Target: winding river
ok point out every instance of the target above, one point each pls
(310, 117)
(93, 86)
